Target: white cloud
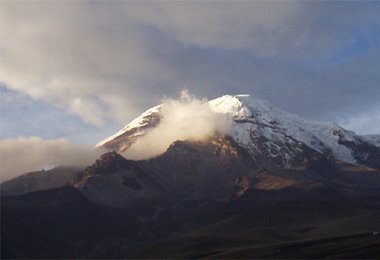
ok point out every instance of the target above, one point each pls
(26, 154)
(363, 123)
(71, 55)
(186, 119)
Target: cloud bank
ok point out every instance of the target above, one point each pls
(188, 118)
(26, 154)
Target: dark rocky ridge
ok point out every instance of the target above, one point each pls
(39, 180)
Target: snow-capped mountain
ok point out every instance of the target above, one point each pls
(124, 138)
(271, 135)
(270, 171)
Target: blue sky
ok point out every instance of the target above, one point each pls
(80, 70)
(24, 116)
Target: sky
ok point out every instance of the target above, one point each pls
(79, 70)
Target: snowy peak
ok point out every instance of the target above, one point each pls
(271, 135)
(233, 105)
(258, 123)
(257, 119)
(126, 136)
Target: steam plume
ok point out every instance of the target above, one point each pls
(188, 118)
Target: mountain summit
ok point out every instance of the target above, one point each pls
(272, 136)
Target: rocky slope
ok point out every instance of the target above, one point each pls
(215, 169)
